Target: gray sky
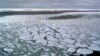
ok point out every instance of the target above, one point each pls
(49, 4)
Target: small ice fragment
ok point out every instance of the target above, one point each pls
(8, 49)
(53, 54)
(60, 46)
(71, 50)
(44, 42)
(84, 51)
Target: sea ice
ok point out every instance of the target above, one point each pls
(81, 45)
(70, 41)
(71, 50)
(96, 42)
(94, 47)
(84, 51)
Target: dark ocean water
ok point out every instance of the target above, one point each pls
(69, 4)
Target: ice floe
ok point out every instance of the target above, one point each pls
(94, 47)
(71, 50)
(84, 51)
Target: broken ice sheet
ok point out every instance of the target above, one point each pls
(32, 37)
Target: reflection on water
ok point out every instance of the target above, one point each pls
(82, 4)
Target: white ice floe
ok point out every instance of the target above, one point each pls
(46, 29)
(53, 54)
(52, 39)
(71, 50)
(81, 45)
(25, 37)
(70, 41)
(52, 43)
(42, 41)
(8, 49)
(84, 51)
(94, 47)
(49, 33)
(71, 46)
(37, 37)
(60, 46)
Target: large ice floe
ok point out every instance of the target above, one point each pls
(50, 34)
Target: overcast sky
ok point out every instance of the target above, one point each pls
(49, 3)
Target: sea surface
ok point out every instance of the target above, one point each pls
(69, 4)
